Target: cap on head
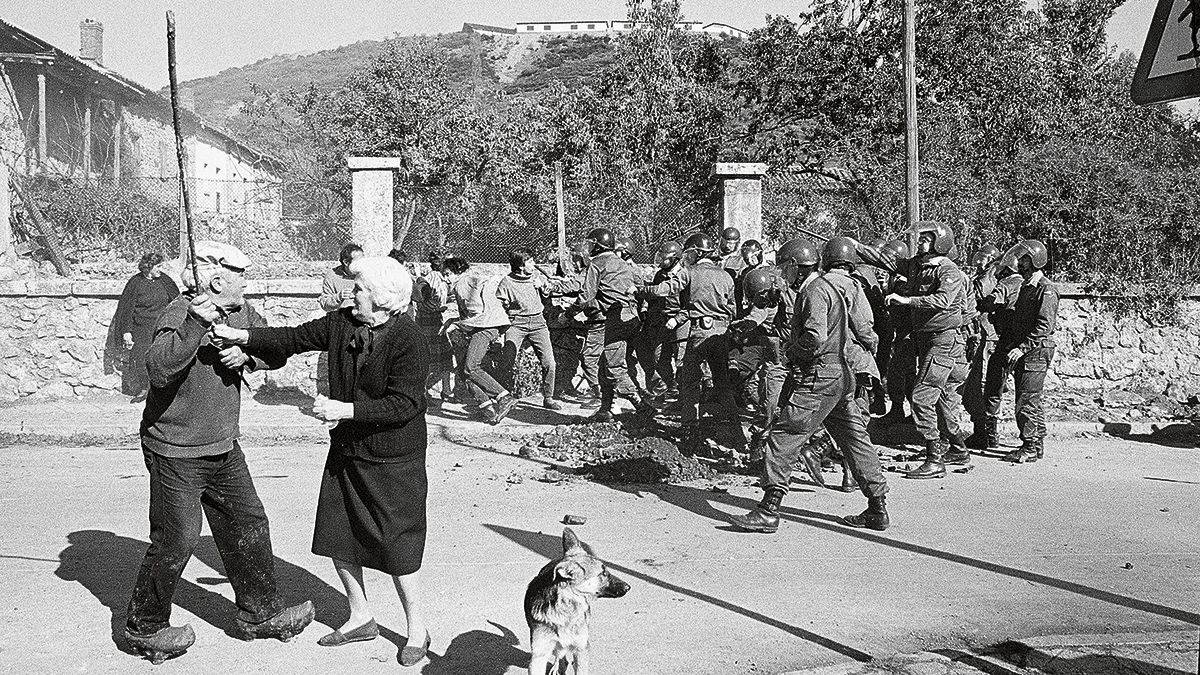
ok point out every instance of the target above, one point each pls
(212, 255)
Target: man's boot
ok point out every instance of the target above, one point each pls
(991, 433)
(163, 644)
(1027, 453)
(933, 467)
(812, 464)
(283, 626)
(895, 415)
(849, 484)
(958, 453)
(1039, 447)
(874, 518)
(764, 517)
(978, 439)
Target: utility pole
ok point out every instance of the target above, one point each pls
(913, 173)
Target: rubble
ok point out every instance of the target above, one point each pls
(609, 452)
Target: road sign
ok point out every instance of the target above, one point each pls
(1170, 65)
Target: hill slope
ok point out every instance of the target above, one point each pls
(510, 64)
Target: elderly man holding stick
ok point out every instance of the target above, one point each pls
(189, 437)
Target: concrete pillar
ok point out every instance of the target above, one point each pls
(742, 199)
(8, 257)
(373, 224)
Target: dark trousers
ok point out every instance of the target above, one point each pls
(901, 370)
(1030, 376)
(808, 403)
(758, 357)
(619, 329)
(941, 370)
(483, 386)
(568, 345)
(220, 487)
(995, 382)
(593, 349)
(705, 346)
(534, 331)
(979, 355)
(657, 350)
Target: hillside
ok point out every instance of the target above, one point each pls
(505, 63)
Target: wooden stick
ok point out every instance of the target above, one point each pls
(180, 151)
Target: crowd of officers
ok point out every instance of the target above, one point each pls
(812, 344)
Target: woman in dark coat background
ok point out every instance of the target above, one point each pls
(371, 510)
(145, 297)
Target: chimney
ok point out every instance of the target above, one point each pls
(91, 41)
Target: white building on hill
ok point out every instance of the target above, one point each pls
(597, 27)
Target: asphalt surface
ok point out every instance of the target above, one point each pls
(1100, 538)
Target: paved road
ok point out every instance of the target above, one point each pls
(1101, 537)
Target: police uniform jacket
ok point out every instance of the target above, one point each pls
(1035, 316)
(1001, 304)
(819, 331)
(704, 289)
(609, 284)
(865, 342)
(937, 288)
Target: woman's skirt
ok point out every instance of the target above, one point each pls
(373, 513)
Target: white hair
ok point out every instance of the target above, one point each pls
(388, 282)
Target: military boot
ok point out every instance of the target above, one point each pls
(978, 440)
(812, 464)
(163, 644)
(991, 433)
(874, 518)
(765, 516)
(933, 467)
(1039, 447)
(1027, 453)
(958, 453)
(849, 484)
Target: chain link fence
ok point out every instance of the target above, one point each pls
(100, 222)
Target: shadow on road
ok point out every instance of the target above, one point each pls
(107, 565)
(700, 502)
(551, 547)
(479, 652)
(1024, 657)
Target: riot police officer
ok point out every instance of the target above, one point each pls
(706, 294)
(658, 345)
(1030, 348)
(980, 341)
(819, 390)
(934, 294)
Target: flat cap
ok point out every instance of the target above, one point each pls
(217, 253)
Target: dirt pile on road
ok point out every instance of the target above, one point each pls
(611, 453)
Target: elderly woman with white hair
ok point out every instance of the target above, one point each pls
(371, 510)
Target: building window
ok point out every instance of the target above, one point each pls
(546, 27)
(528, 27)
(574, 26)
(591, 26)
(628, 26)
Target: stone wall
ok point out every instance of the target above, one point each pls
(53, 333)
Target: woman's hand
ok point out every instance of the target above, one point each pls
(128, 340)
(329, 410)
(224, 336)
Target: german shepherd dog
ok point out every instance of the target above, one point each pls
(557, 605)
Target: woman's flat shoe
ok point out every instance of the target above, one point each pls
(411, 656)
(367, 631)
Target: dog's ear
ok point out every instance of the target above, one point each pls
(571, 542)
(568, 570)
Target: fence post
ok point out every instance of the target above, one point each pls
(373, 222)
(741, 183)
(563, 258)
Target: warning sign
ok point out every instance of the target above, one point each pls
(1170, 65)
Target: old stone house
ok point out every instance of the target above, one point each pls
(66, 116)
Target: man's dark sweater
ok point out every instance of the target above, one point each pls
(194, 403)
